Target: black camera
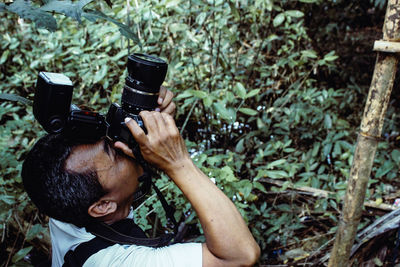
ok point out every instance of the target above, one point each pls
(52, 103)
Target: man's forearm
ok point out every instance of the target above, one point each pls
(227, 236)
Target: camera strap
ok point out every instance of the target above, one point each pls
(115, 236)
(147, 182)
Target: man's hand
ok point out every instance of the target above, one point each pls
(165, 105)
(162, 146)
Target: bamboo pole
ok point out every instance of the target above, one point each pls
(370, 131)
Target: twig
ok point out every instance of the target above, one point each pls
(188, 116)
(298, 87)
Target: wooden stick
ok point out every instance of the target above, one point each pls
(385, 46)
(371, 128)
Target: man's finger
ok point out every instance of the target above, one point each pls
(124, 148)
(135, 129)
(167, 99)
(169, 122)
(161, 96)
(170, 109)
(150, 121)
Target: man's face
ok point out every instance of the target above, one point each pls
(118, 174)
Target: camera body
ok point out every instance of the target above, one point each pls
(52, 103)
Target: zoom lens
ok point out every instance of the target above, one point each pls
(145, 75)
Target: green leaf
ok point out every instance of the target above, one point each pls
(260, 124)
(227, 174)
(235, 11)
(2, 7)
(226, 114)
(10, 200)
(276, 163)
(279, 19)
(25, 10)
(72, 10)
(248, 111)
(240, 146)
(178, 27)
(4, 56)
(172, 3)
(199, 94)
(330, 56)
(260, 187)
(100, 74)
(240, 90)
(93, 15)
(245, 187)
(34, 231)
(315, 150)
(252, 93)
(396, 156)
(185, 94)
(308, 1)
(294, 13)
(208, 101)
(327, 149)
(383, 170)
(21, 254)
(328, 121)
(121, 54)
(272, 174)
(309, 53)
(284, 207)
(14, 97)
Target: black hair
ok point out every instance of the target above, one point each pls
(59, 193)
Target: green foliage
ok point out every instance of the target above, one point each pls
(43, 19)
(258, 101)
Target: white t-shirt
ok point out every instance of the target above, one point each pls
(65, 236)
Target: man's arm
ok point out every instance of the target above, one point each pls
(228, 240)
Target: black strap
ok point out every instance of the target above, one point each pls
(79, 256)
(110, 234)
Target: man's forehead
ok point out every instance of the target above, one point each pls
(83, 157)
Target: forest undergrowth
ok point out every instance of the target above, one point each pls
(270, 96)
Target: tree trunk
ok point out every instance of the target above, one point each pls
(370, 131)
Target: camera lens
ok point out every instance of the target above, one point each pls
(145, 75)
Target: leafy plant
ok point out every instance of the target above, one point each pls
(43, 19)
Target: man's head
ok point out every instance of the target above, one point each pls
(76, 183)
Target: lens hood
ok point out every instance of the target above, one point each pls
(147, 71)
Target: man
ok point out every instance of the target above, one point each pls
(78, 183)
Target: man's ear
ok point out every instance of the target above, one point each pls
(102, 208)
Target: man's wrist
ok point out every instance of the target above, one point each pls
(181, 168)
